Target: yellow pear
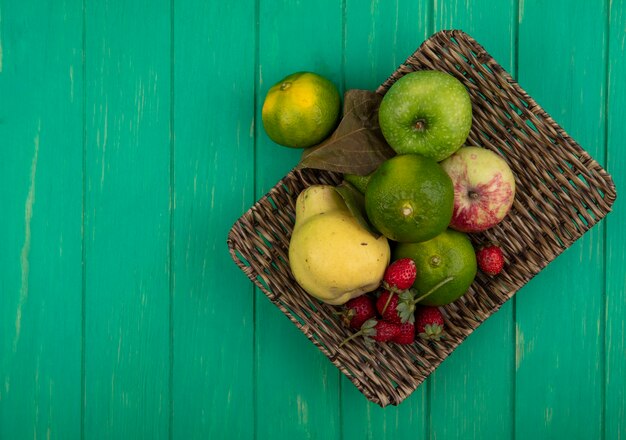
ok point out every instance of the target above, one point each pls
(331, 255)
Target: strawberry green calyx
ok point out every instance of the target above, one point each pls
(392, 287)
(346, 316)
(374, 330)
(429, 323)
(409, 299)
(368, 330)
(406, 306)
(399, 277)
(433, 332)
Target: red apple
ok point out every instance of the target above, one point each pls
(484, 188)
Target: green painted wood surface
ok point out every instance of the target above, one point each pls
(41, 157)
(614, 325)
(578, 326)
(130, 141)
(215, 379)
(377, 39)
(127, 220)
(306, 400)
(482, 406)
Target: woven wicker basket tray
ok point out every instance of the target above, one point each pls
(561, 193)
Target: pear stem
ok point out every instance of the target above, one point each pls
(435, 287)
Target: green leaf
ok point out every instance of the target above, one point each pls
(370, 323)
(407, 295)
(406, 311)
(434, 332)
(355, 201)
(369, 332)
(357, 145)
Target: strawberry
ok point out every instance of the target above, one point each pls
(375, 330)
(357, 311)
(490, 260)
(385, 331)
(387, 306)
(400, 275)
(429, 323)
(406, 334)
(400, 308)
(396, 309)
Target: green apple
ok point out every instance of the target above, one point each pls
(427, 112)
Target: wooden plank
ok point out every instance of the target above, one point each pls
(560, 314)
(127, 219)
(213, 395)
(41, 193)
(615, 337)
(379, 36)
(470, 394)
(297, 387)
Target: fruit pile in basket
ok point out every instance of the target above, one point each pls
(390, 245)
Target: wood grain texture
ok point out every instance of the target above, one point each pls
(213, 326)
(127, 220)
(615, 252)
(40, 216)
(378, 37)
(471, 393)
(560, 313)
(297, 387)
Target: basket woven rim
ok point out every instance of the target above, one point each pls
(245, 244)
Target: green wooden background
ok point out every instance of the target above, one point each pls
(130, 143)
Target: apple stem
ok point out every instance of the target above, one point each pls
(420, 125)
(473, 194)
(435, 287)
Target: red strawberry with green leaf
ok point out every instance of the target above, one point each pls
(399, 276)
(375, 330)
(357, 311)
(429, 323)
(385, 331)
(401, 308)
